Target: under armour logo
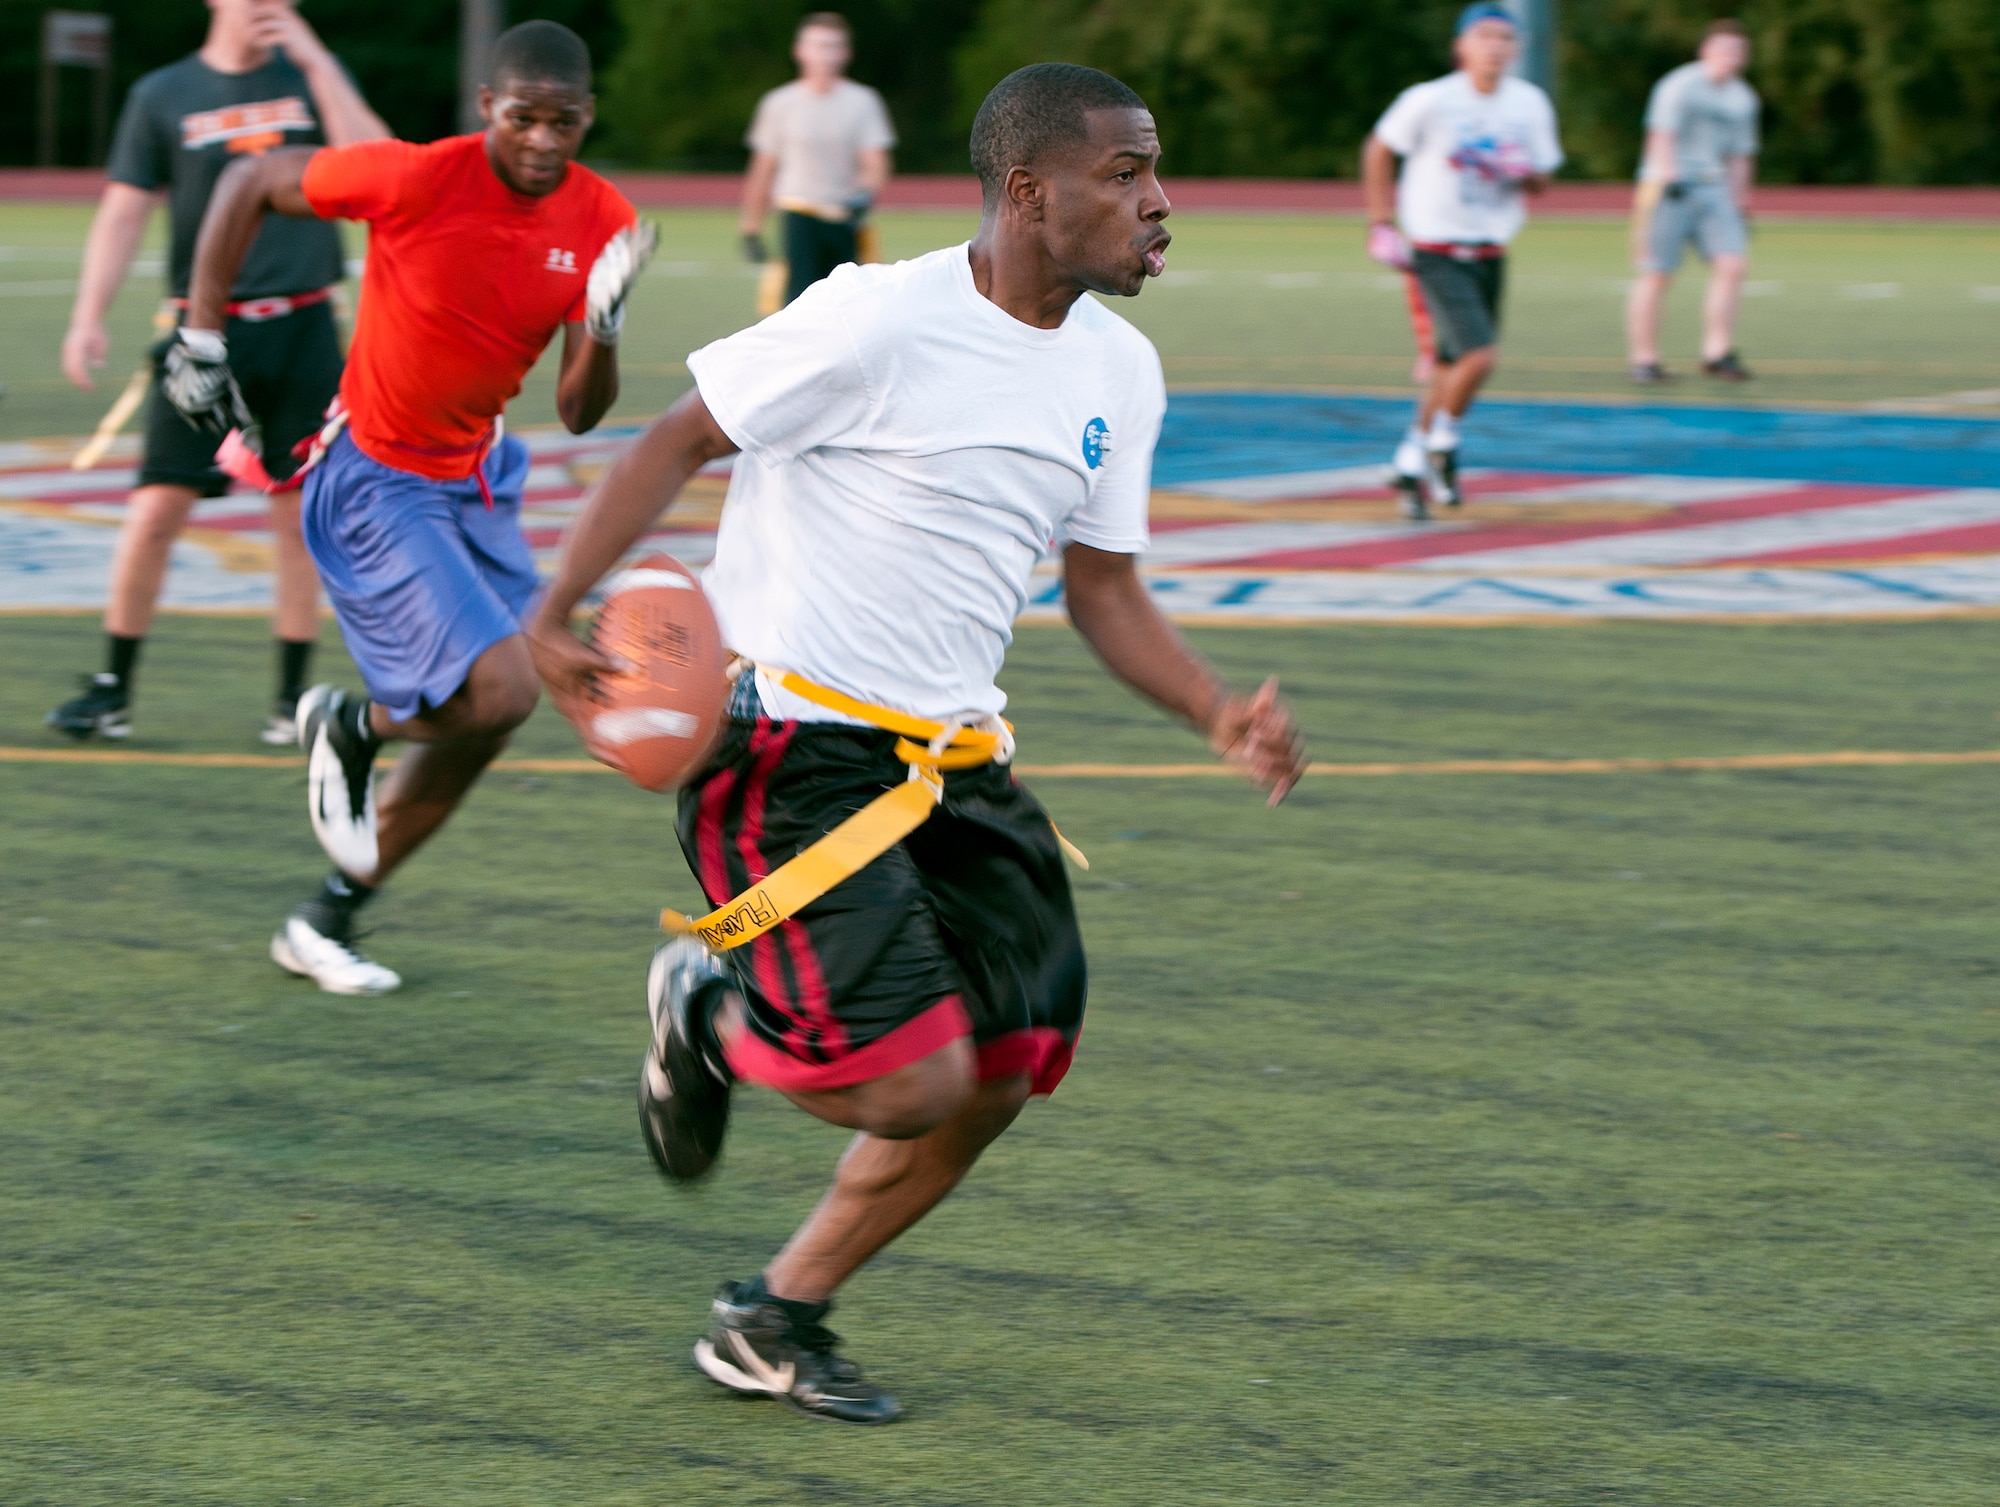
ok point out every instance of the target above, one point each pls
(560, 261)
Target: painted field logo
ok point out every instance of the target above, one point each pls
(1096, 443)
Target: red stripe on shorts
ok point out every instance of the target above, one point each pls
(755, 1059)
(708, 838)
(1038, 1053)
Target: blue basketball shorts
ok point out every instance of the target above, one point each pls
(423, 577)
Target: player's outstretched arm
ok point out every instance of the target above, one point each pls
(245, 191)
(1117, 617)
(634, 492)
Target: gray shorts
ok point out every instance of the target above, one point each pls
(1463, 295)
(1700, 212)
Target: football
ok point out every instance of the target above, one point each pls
(655, 722)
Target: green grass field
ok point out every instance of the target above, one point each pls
(1433, 1140)
(1839, 312)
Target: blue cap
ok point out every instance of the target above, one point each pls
(1482, 10)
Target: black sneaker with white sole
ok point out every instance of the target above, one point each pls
(1444, 478)
(684, 1083)
(763, 1346)
(281, 728)
(1410, 499)
(340, 748)
(103, 709)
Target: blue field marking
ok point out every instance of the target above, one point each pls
(1210, 436)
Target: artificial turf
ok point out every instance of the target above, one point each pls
(1838, 311)
(1455, 1140)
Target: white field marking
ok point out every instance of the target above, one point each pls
(1986, 294)
(547, 478)
(37, 290)
(1232, 541)
(1184, 277)
(1871, 290)
(37, 485)
(1291, 279)
(678, 269)
(1742, 537)
(58, 562)
(1725, 592)
(354, 266)
(1296, 484)
(1762, 288)
(1668, 491)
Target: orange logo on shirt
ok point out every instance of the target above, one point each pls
(247, 128)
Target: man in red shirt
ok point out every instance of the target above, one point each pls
(480, 248)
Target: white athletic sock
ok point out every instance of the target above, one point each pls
(1444, 431)
(1410, 453)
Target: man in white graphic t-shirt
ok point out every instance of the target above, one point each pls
(819, 151)
(914, 438)
(1474, 143)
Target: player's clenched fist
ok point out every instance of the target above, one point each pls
(195, 376)
(612, 278)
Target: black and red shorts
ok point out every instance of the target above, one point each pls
(966, 927)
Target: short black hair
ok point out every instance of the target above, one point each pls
(539, 52)
(1037, 110)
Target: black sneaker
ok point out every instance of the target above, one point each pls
(1411, 501)
(1726, 368)
(1650, 374)
(1444, 477)
(765, 1347)
(101, 709)
(683, 1087)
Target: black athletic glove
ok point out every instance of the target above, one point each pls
(753, 248)
(195, 378)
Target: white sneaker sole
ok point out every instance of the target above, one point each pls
(287, 959)
(349, 843)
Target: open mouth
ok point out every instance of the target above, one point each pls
(1156, 257)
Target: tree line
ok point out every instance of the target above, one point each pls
(1855, 91)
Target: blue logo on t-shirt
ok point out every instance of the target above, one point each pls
(1096, 441)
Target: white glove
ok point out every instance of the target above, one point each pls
(612, 277)
(195, 377)
(1387, 246)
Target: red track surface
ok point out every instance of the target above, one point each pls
(1267, 195)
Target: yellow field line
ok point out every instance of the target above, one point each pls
(1838, 758)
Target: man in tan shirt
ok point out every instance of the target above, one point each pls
(820, 152)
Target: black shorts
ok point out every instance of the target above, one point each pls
(813, 248)
(1463, 295)
(289, 370)
(964, 928)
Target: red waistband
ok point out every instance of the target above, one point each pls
(277, 306)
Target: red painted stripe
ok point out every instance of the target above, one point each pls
(1967, 539)
(1479, 539)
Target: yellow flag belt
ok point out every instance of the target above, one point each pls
(928, 747)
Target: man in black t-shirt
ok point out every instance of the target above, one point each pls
(261, 80)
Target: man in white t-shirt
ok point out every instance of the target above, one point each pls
(913, 439)
(819, 151)
(1694, 185)
(1473, 144)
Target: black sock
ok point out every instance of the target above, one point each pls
(332, 909)
(756, 1290)
(121, 657)
(294, 659)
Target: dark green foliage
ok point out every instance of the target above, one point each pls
(692, 70)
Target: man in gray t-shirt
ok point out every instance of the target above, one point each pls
(819, 151)
(1694, 185)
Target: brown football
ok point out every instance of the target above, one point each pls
(655, 722)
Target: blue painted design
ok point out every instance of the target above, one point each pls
(1096, 440)
(1212, 435)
